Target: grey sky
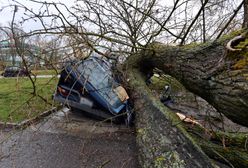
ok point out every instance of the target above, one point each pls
(6, 12)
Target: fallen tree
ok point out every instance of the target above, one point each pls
(209, 70)
(161, 139)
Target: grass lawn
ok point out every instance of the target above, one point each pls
(16, 101)
(45, 72)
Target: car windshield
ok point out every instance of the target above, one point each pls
(101, 80)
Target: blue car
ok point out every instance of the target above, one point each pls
(89, 86)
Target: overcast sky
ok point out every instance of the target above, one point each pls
(6, 13)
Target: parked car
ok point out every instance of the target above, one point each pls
(13, 71)
(89, 86)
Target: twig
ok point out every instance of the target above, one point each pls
(229, 21)
(104, 163)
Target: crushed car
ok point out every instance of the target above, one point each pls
(89, 86)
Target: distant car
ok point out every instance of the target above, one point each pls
(14, 71)
(89, 86)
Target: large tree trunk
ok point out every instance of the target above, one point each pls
(161, 139)
(209, 70)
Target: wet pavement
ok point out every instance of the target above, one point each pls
(69, 140)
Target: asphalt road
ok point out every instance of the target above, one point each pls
(69, 140)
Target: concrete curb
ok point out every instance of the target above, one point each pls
(27, 122)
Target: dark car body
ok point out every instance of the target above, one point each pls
(89, 86)
(14, 71)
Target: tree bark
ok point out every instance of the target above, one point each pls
(161, 139)
(209, 70)
(245, 23)
(229, 148)
(231, 156)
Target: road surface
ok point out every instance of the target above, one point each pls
(69, 140)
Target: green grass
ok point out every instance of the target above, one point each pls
(45, 72)
(17, 101)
